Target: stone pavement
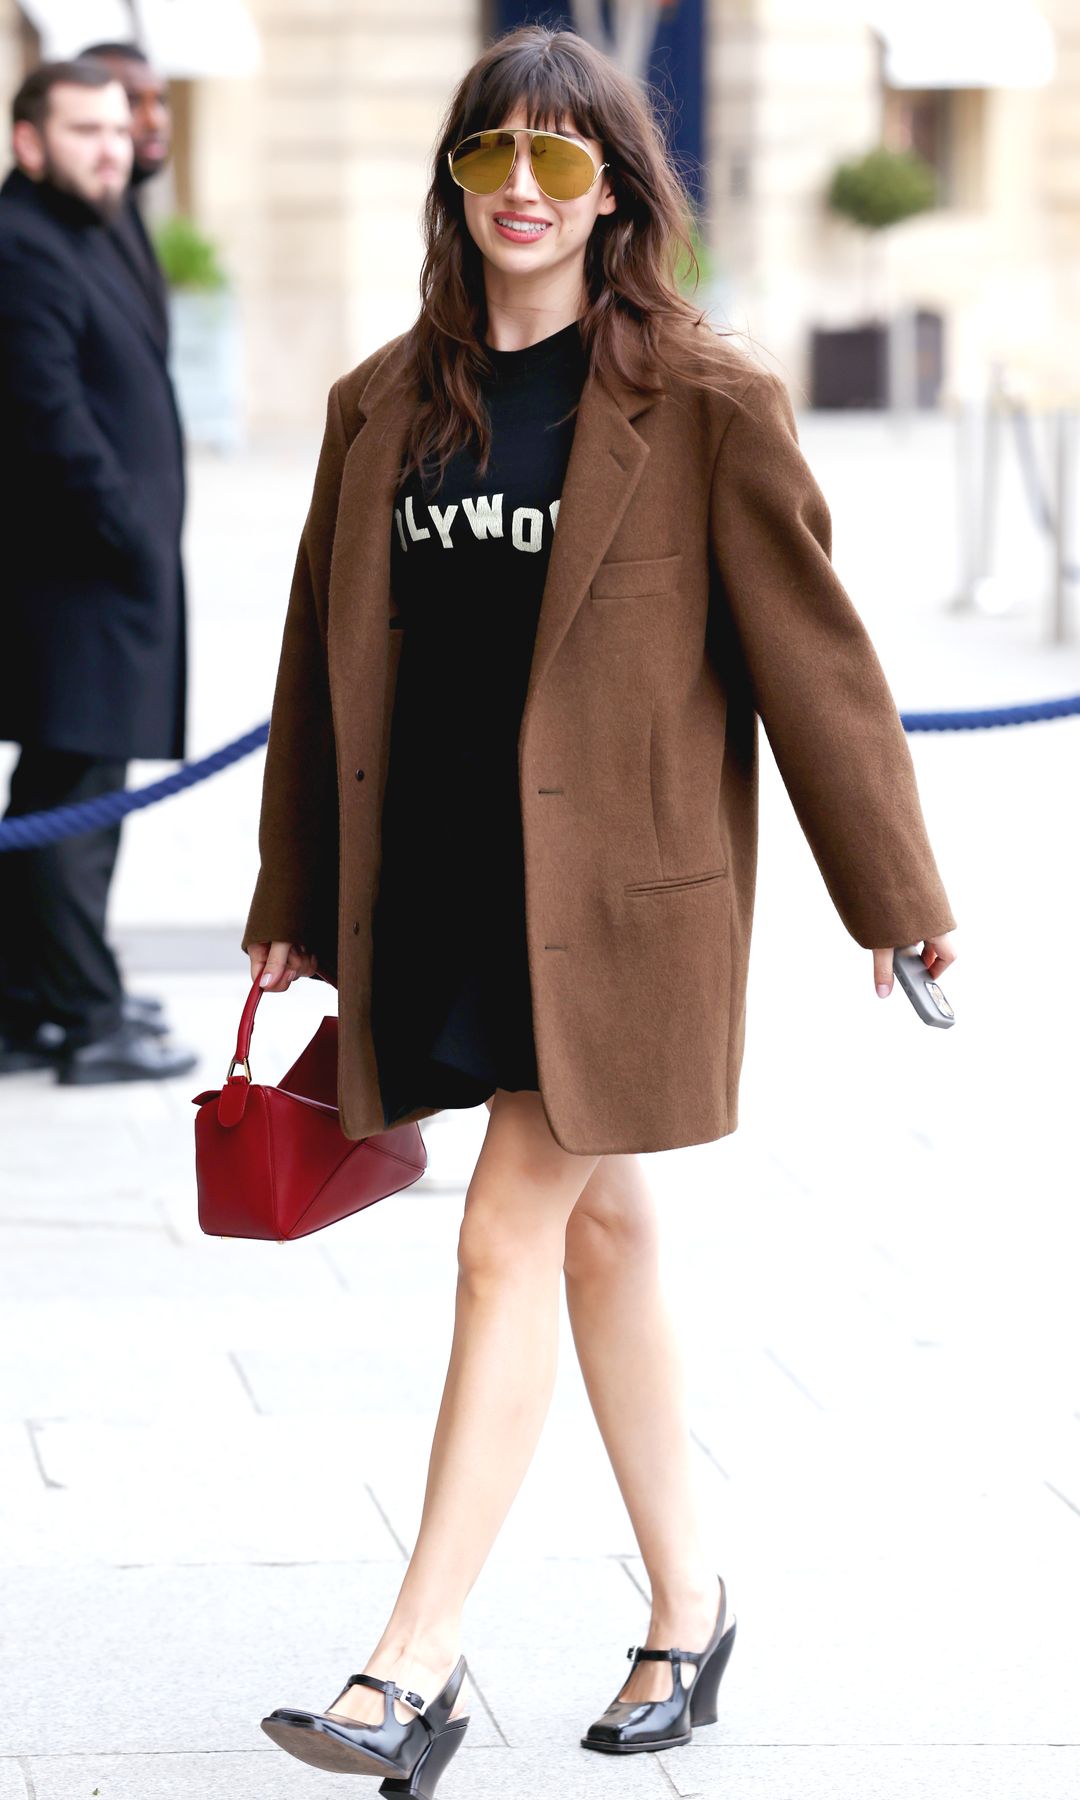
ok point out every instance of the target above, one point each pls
(874, 1279)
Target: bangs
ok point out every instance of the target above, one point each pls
(548, 87)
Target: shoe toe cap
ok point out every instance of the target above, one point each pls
(611, 1726)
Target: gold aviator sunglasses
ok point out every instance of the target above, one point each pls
(563, 169)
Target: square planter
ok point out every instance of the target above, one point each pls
(206, 361)
(879, 365)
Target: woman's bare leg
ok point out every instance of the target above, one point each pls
(628, 1350)
(497, 1392)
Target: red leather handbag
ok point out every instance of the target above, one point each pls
(273, 1162)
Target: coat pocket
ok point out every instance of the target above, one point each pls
(676, 882)
(634, 580)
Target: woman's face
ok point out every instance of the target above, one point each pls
(566, 223)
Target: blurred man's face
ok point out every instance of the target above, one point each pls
(151, 120)
(84, 147)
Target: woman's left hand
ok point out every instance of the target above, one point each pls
(937, 953)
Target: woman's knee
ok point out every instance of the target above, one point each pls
(613, 1224)
(522, 1191)
(492, 1253)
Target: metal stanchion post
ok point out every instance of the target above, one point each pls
(991, 469)
(902, 357)
(1063, 426)
(969, 418)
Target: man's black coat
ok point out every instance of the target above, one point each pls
(92, 626)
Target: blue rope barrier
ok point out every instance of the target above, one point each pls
(983, 718)
(32, 831)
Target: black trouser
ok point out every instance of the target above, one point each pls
(54, 961)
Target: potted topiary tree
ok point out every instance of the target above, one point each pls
(205, 350)
(853, 366)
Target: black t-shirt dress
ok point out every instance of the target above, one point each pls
(451, 1007)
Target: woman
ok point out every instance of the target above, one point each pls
(509, 810)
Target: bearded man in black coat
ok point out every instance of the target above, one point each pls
(93, 670)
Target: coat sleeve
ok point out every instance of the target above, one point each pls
(816, 680)
(296, 894)
(48, 420)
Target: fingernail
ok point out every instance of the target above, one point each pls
(883, 989)
(265, 980)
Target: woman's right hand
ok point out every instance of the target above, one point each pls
(276, 966)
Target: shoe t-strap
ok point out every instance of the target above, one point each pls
(390, 1689)
(637, 1654)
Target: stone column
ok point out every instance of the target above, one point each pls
(312, 175)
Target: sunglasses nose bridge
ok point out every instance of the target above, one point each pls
(522, 176)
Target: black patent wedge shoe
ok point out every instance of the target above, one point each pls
(632, 1725)
(410, 1754)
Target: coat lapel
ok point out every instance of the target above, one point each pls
(105, 264)
(606, 462)
(358, 648)
(607, 458)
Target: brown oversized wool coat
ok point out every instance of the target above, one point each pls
(690, 590)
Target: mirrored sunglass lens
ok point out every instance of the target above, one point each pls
(482, 162)
(563, 170)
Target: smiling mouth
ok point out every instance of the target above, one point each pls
(535, 228)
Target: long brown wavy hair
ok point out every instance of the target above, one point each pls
(631, 259)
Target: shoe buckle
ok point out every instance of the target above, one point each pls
(409, 1697)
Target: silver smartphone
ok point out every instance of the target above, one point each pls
(925, 994)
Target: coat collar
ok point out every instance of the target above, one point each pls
(107, 267)
(67, 209)
(607, 459)
(101, 257)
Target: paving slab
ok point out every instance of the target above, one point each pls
(178, 1775)
(124, 1263)
(476, 1773)
(549, 1636)
(107, 1382)
(886, 1644)
(20, 1475)
(147, 1660)
(208, 1490)
(13, 1784)
(541, 1767)
(994, 1771)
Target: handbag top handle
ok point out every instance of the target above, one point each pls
(243, 1035)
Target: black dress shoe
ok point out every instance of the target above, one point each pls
(44, 1045)
(145, 1010)
(631, 1725)
(411, 1754)
(39, 1048)
(130, 1053)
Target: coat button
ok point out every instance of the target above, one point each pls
(359, 774)
(356, 927)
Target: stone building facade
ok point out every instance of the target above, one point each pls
(310, 175)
